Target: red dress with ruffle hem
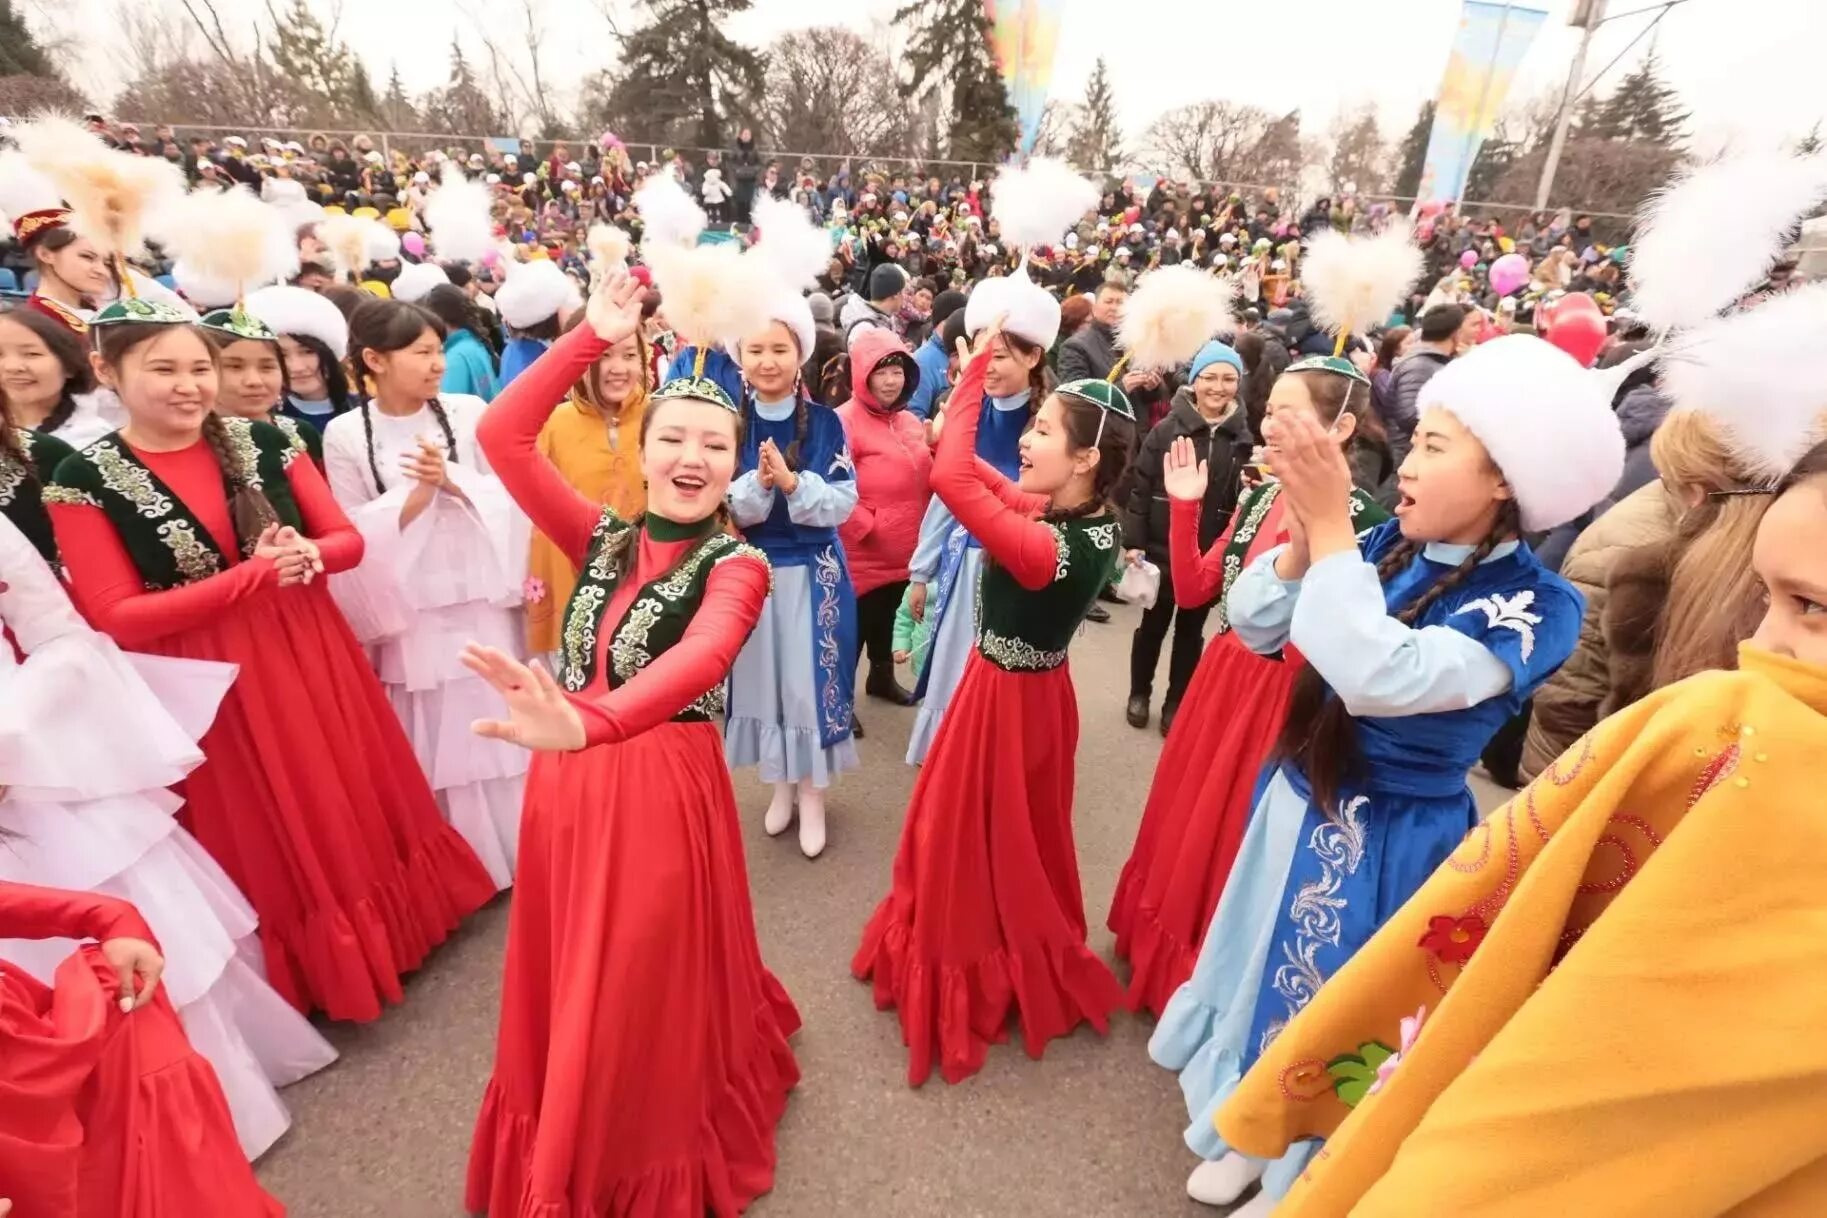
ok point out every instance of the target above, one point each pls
(1199, 804)
(310, 798)
(104, 1114)
(642, 1060)
(986, 918)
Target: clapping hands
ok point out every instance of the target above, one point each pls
(774, 471)
(293, 555)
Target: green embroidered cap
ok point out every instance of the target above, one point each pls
(238, 323)
(1101, 393)
(1335, 364)
(698, 388)
(141, 310)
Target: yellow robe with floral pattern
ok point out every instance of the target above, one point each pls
(1624, 977)
(576, 439)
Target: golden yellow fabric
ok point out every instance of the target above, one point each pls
(1641, 1032)
(576, 439)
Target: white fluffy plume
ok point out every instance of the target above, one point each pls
(23, 188)
(710, 291)
(797, 250)
(1351, 283)
(1681, 272)
(608, 247)
(668, 215)
(1762, 374)
(1174, 312)
(227, 237)
(347, 239)
(109, 193)
(1037, 203)
(457, 213)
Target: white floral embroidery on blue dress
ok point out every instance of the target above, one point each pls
(1509, 612)
(1339, 844)
(842, 462)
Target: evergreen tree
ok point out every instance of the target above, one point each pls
(316, 64)
(462, 107)
(691, 76)
(397, 112)
(1810, 144)
(1096, 140)
(1414, 152)
(1643, 107)
(951, 39)
(363, 103)
(1359, 156)
(21, 54)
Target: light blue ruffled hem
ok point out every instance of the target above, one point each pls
(786, 754)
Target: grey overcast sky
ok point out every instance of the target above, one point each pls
(1748, 69)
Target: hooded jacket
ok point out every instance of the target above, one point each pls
(893, 468)
(1225, 447)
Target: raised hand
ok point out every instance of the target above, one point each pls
(1316, 480)
(1183, 475)
(614, 309)
(540, 717)
(986, 339)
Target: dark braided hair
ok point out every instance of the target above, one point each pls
(78, 377)
(247, 504)
(383, 326)
(1115, 446)
(1319, 734)
(12, 448)
(1040, 377)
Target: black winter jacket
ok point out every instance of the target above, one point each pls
(1225, 448)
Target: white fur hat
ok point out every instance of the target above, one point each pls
(200, 290)
(416, 279)
(1546, 422)
(534, 292)
(1031, 311)
(791, 309)
(289, 310)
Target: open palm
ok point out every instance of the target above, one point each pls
(614, 311)
(540, 717)
(1183, 474)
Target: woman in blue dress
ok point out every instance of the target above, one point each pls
(948, 561)
(1422, 637)
(791, 690)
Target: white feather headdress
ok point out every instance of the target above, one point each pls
(1352, 283)
(668, 215)
(1761, 374)
(1037, 203)
(797, 250)
(458, 213)
(109, 193)
(346, 237)
(608, 247)
(227, 240)
(23, 189)
(1175, 310)
(1681, 273)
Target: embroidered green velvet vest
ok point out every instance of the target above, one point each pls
(168, 545)
(657, 617)
(22, 490)
(304, 437)
(1025, 631)
(1252, 510)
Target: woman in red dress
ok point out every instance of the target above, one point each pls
(642, 1061)
(986, 917)
(105, 1110)
(188, 534)
(1199, 804)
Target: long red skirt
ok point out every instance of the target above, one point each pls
(1197, 811)
(105, 1115)
(986, 915)
(313, 802)
(642, 1061)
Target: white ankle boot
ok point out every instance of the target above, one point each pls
(1260, 1206)
(780, 810)
(1221, 1181)
(811, 820)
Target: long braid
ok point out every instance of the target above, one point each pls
(443, 417)
(374, 467)
(60, 413)
(1319, 734)
(801, 421)
(12, 447)
(248, 507)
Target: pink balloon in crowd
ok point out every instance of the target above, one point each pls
(1468, 259)
(491, 257)
(413, 244)
(1575, 325)
(1509, 273)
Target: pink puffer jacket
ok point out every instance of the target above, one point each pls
(893, 466)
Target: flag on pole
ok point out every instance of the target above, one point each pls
(1492, 39)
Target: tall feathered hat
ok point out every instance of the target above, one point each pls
(1351, 283)
(109, 193)
(29, 202)
(226, 243)
(1759, 373)
(459, 214)
(1175, 310)
(356, 243)
(1034, 205)
(794, 252)
(709, 291)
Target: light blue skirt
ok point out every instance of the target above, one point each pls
(950, 650)
(1205, 1029)
(773, 699)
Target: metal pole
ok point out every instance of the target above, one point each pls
(1472, 137)
(1564, 120)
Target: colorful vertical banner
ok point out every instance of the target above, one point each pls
(1492, 39)
(1024, 34)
